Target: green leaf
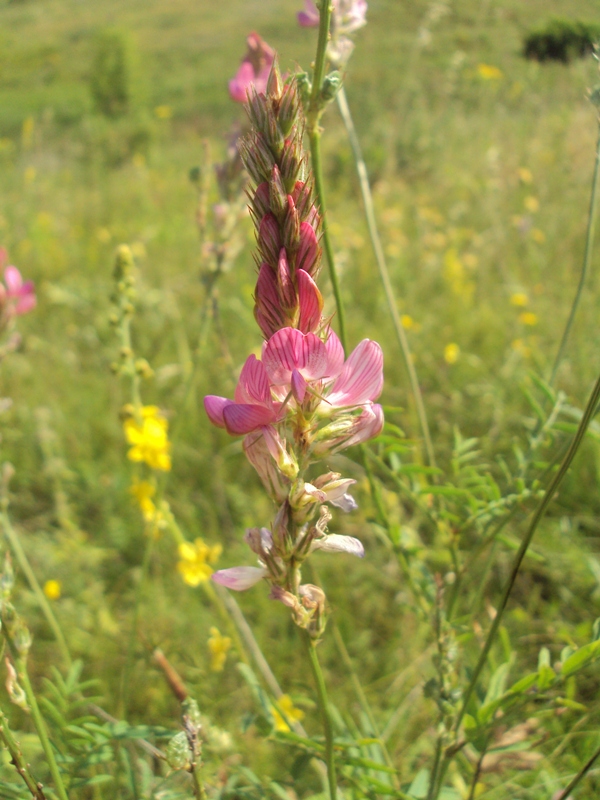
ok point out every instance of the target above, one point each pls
(580, 658)
(420, 785)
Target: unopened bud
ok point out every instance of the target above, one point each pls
(304, 87)
(178, 752)
(291, 226)
(332, 83)
(143, 368)
(123, 262)
(288, 108)
(277, 194)
(274, 84)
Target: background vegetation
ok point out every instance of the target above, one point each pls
(480, 162)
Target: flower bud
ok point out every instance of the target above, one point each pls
(269, 239)
(277, 194)
(307, 257)
(288, 107)
(291, 226)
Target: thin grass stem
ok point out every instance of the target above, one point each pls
(369, 208)
(587, 258)
(16, 756)
(580, 775)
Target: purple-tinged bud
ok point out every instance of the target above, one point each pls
(261, 202)
(261, 153)
(291, 163)
(260, 541)
(285, 282)
(302, 194)
(291, 226)
(288, 107)
(274, 135)
(258, 455)
(252, 166)
(269, 239)
(257, 109)
(307, 256)
(277, 194)
(274, 82)
(310, 303)
(268, 312)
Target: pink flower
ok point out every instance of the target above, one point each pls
(254, 69)
(252, 407)
(239, 578)
(309, 18)
(348, 15)
(20, 295)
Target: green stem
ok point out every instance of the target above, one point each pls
(198, 788)
(323, 703)
(40, 727)
(314, 112)
(7, 739)
(15, 545)
(365, 189)
(587, 257)
(581, 774)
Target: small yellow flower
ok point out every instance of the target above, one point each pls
(286, 707)
(525, 175)
(219, 646)
(52, 589)
(195, 560)
(532, 204)
(538, 236)
(144, 491)
(519, 299)
(149, 439)
(528, 318)
(163, 112)
(520, 347)
(407, 322)
(451, 353)
(489, 72)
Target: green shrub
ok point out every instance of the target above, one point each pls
(561, 40)
(111, 77)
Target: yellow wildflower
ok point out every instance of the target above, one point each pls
(519, 299)
(195, 560)
(285, 706)
(528, 318)
(149, 439)
(52, 589)
(407, 322)
(144, 491)
(218, 646)
(489, 72)
(532, 204)
(451, 353)
(538, 236)
(520, 346)
(525, 175)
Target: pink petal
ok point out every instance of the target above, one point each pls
(243, 80)
(214, 406)
(308, 249)
(239, 578)
(13, 280)
(241, 418)
(335, 355)
(335, 543)
(253, 385)
(310, 302)
(298, 386)
(285, 283)
(361, 378)
(367, 426)
(26, 303)
(268, 311)
(309, 18)
(290, 349)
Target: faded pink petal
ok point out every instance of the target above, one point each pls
(241, 418)
(13, 281)
(335, 543)
(239, 578)
(27, 300)
(367, 425)
(241, 83)
(361, 379)
(335, 355)
(290, 349)
(309, 18)
(310, 302)
(298, 385)
(308, 250)
(254, 69)
(257, 453)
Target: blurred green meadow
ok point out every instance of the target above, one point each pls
(480, 163)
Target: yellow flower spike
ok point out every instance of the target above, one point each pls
(519, 299)
(219, 647)
(451, 353)
(149, 439)
(285, 706)
(528, 318)
(195, 558)
(52, 589)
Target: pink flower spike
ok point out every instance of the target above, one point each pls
(310, 302)
(254, 69)
(17, 290)
(309, 18)
(239, 578)
(361, 379)
(289, 349)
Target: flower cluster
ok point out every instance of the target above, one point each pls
(195, 560)
(147, 433)
(16, 295)
(302, 400)
(346, 18)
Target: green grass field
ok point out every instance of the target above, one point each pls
(481, 165)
